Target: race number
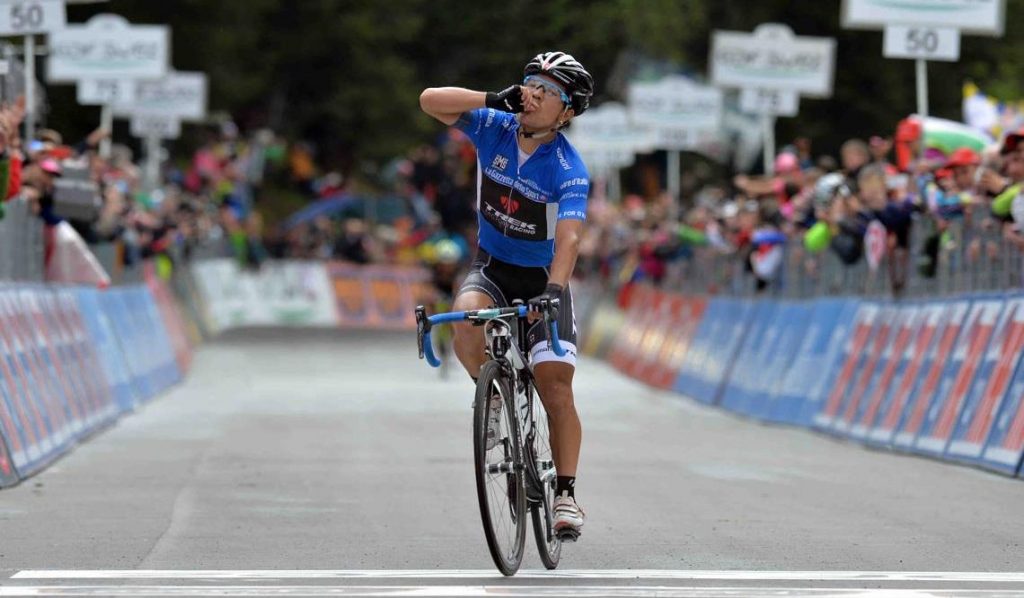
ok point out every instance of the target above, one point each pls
(925, 43)
(105, 92)
(146, 126)
(28, 17)
(773, 102)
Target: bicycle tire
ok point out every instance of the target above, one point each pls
(505, 542)
(542, 513)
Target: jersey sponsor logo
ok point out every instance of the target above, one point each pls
(500, 162)
(511, 205)
(512, 214)
(509, 223)
(561, 159)
(572, 183)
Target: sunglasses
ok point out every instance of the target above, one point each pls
(547, 88)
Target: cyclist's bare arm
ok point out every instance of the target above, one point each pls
(567, 248)
(447, 104)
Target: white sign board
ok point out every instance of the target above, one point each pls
(30, 17)
(105, 92)
(769, 101)
(985, 17)
(924, 43)
(676, 109)
(145, 126)
(606, 139)
(773, 58)
(108, 47)
(178, 95)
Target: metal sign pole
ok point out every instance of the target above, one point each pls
(768, 129)
(673, 182)
(922, 87)
(153, 147)
(614, 186)
(30, 87)
(107, 124)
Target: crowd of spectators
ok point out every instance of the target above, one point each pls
(885, 206)
(886, 211)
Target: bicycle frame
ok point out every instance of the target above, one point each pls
(503, 343)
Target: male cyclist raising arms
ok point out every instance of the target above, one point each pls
(531, 196)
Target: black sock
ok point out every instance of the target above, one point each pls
(565, 484)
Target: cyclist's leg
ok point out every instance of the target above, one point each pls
(469, 340)
(478, 291)
(554, 376)
(554, 384)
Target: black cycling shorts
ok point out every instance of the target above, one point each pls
(504, 282)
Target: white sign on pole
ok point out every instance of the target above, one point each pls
(179, 95)
(676, 109)
(924, 43)
(109, 47)
(983, 17)
(769, 101)
(606, 139)
(30, 17)
(105, 92)
(773, 58)
(151, 125)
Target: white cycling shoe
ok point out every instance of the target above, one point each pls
(568, 518)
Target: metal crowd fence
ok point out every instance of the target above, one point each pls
(964, 258)
(21, 243)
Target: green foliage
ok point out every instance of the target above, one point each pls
(347, 74)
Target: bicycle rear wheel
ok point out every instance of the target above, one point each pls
(497, 449)
(542, 513)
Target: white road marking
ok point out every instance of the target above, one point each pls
(505, 591)
(597, 574)
(626, 583)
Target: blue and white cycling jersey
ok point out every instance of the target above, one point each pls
(520, 205)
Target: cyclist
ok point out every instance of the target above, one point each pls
(532, 189)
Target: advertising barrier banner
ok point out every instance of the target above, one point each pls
(908, 320)
(719, 336)
(931, 322)
(795, 320)
(854, 354)
(990, 385)
(288, 293)
(685, 315)
(964, 363)
(741, 388)
(882, 340)
(936, 369)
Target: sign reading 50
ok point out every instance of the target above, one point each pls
(29, 17)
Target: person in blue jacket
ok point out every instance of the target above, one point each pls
(532, 189)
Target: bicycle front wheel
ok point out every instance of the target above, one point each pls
(540, 454)
(497, 450)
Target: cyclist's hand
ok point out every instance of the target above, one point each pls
(507, 100)
(538, 304)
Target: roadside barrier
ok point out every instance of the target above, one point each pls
(941, 378)
(72, 360)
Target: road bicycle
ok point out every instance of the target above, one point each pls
(515, 471)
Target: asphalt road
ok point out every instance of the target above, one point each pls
(338, 464)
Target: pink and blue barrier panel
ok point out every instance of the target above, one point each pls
(940, 378)
(72, 361)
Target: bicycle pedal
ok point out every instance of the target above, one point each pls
(567, 534)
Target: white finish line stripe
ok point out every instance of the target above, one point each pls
(596, 574)
(505, 591)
